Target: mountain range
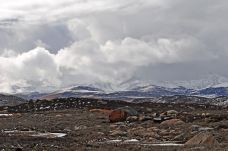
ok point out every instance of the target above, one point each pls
(211, 86)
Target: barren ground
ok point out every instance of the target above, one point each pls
(87, 130)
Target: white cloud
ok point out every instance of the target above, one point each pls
(107, 40)
(90, 62)
(35, 69)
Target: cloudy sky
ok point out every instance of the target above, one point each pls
(49, 44)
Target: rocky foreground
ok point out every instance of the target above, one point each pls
(91, 124)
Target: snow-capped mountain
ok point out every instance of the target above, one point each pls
(211, 86)
(207, 81)
(212, 80)
(137, 92)
(74, 91)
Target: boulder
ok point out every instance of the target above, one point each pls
(204, 138)
(129, 111)
(121, 114)
(117, 116)
(172, 122)
(172, 113)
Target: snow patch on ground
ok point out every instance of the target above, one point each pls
(165, 144)
(36, 134)
(5, 115)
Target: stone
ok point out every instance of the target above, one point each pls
(81, 127)
(204, 138)
(172, 113)
(155, 115)
(118, 133)
(142, 132)
(148, 110)
(179, 137)
(100, 133)
(104, 111)
(121, 114)
(117, 116)
(129, 111)
(199, 128)
(158, 119)
(164, 132)
(195, 127)
(172, 122)
(154, 129)
(132, 119)
(145, 118)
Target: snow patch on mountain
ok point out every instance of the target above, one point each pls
(222, 85)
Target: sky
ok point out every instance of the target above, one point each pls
(50, 44)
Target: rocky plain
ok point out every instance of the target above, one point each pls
(80, 124)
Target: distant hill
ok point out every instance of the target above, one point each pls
(10, 100)
(209, 86)
(137, 92)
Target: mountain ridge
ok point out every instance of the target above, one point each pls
(211, 86)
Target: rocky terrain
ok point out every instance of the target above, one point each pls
(97, 124)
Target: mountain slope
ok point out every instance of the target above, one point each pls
(10, 100)
(147, 91)
(76, 91)
(210, 86)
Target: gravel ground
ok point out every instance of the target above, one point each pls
(87, 130)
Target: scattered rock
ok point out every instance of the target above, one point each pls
(100, 133)
(195, 127)
(67, 129)
(161, 118)
(142, 132)
(199, 128)
(164, 132)
(121, 114)
(144, 118)
(148, 110)
(173, 122)
(105, 111)
(222, 126)
(155, 115)
(172, 113)
(202, 138)
(132, 119)
(118, 133)
(117, 116)
(180, 137)
(205, 129)
(158, 119)
(81, 127)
